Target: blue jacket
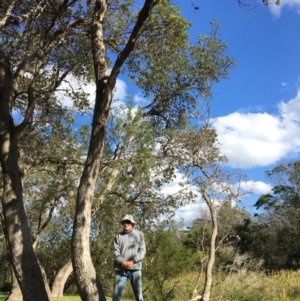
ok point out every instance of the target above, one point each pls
(129, 246)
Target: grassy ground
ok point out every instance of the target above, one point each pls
(240, 286)
(74, 298)
(65, 298)
(2, 297)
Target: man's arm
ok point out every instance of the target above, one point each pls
(117, 253)
(141, 252)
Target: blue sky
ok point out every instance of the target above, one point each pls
(257, 111)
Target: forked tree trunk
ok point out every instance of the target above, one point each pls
(23, 259)
(88, 284)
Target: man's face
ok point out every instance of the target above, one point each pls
(127, 225)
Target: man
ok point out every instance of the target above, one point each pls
(129, 250)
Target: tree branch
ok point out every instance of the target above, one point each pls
(137, 30)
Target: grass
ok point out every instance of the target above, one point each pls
(65, 298)
(2, 297)
(240, 286)
(73, 298)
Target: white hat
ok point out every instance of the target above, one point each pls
(128, 217)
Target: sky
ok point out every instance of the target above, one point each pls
(256, 112)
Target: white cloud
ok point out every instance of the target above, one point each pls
(190, 212)
(139, 99)
(260, 139)
(291, 110)
(291, 4)
(119, 93)
(256, 187)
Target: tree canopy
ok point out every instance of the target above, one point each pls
(45, 47)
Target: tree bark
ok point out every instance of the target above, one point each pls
(88, 283)
(15, 293)
(212, 249)
(22, 256)
(60, 280)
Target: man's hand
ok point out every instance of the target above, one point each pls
(127, 264)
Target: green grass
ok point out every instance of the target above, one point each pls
(77, 298)
(2, 296)
(65, 298)
(240, 286)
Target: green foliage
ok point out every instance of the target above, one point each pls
(53, 43)
(170, 71)
(166, 259)
(142, 169)
(274, 235)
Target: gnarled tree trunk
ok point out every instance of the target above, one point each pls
(22, 256)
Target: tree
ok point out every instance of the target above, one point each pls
(198, 236)
(199, 156)
(35, 37)
(45, 41)
(171, 98)
(273, 235)
(50, 172)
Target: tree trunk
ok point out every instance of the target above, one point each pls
(60, 280)
(88, 284)
(22, 256)
(212, 251)
(195, 294)
(15, 291)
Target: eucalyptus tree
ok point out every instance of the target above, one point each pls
(38, 43)
(131, 180)
(171, 74)
(199, 156)
(140, 167)
(42, 42)
(51, 169)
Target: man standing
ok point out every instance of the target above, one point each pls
(129, 250)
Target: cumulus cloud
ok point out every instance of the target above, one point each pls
(119, 93)
(256, 187)
(190, 212)
(260, 139)
(291, 4)
(291, 110)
